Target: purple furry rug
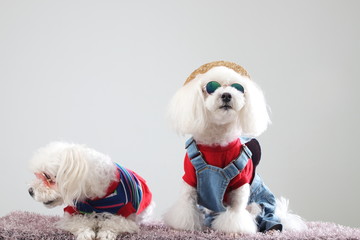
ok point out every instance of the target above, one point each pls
(25, 225)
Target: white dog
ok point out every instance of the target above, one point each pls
(103, 198)
(217, 104)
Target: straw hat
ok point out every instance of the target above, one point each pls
(206, 67)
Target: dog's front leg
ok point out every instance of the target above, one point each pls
(82, 226)
(184, 214)
(110, 226)
(236, 219)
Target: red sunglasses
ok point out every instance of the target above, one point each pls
(46, 179)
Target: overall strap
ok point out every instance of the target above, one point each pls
(235, 167)
(194, 154)
(242, 160)
(244, 140)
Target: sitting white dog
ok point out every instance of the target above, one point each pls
(217, 104)
(103, 198)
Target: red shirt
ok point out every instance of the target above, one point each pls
(219, 156)
(128, 208)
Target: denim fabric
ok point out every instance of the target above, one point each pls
(212, 183)
(261, 194)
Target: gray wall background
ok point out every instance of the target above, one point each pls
(102, 73)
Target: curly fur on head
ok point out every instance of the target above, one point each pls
(193, 111)
(80, 172)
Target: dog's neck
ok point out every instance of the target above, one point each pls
(102, 184)
(215, 134)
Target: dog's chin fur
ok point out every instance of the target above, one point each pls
(193, 111)
(81, 173)
(53, 203)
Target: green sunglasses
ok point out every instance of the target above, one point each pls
(211, 87)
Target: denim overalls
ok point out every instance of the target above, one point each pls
(212, 183)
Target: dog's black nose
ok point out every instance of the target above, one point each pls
(31, 192)
(226, 97)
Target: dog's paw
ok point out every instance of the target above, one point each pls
(234, 222)
(130, 227)
(112, 226)
(106, 235)
(86, 235)
(183, 220)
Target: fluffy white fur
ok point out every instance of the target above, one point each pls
(80, 173)
(184, 214)
(236, 218)
(289, 220)
(195, 112)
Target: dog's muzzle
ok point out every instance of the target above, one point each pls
(226, 99)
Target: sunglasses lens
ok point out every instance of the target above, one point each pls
(212, 86)
(238, 87)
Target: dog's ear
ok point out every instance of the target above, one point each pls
(72, 174)
(186, 111)
(253, 117)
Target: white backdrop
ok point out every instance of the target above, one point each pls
(102, 73)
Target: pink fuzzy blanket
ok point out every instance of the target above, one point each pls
(25, 225)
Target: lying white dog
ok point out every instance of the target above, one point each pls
(103, 198)
(223, 110)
